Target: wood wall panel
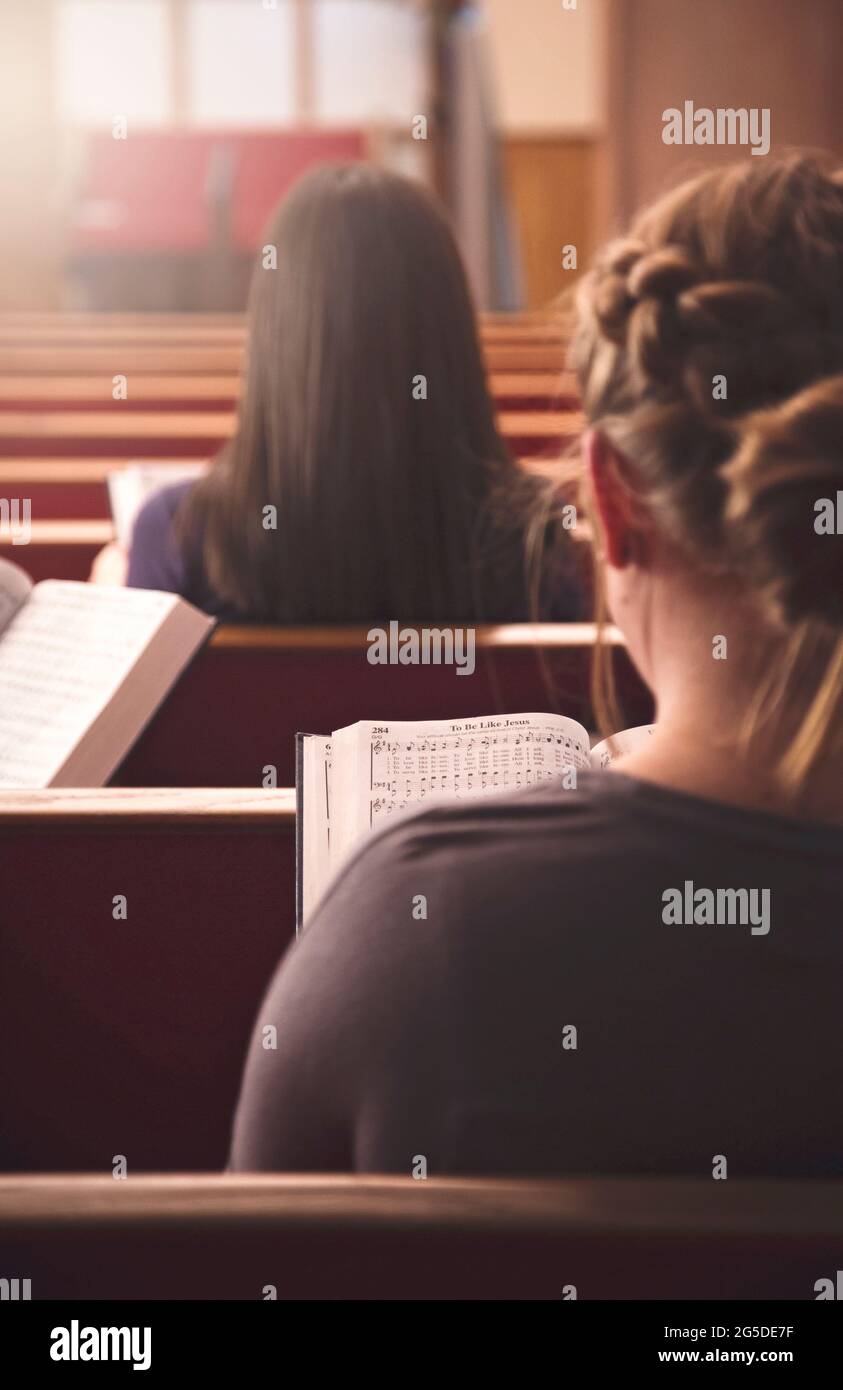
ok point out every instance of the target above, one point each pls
(780, 54)
(551, 183)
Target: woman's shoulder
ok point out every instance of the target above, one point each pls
(599, 806)
(481, 842)
(577, 850)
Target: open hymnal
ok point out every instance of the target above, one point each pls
(353, 780)
(129, 487)
(83, 667)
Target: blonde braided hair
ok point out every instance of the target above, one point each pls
(737, 278)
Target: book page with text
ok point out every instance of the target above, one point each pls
(381, 769)
(15, 588)
(62, 657)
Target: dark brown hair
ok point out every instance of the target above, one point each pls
(384, 502)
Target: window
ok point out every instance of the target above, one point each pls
(370, 60)
(241, 63)
(113, 59)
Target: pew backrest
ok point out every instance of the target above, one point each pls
(226, 358)
(65, 489)
(123, 1025)
(238, 707)
(192, 392)
(198, 433)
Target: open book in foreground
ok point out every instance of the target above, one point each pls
(83, 667)
(352, 781)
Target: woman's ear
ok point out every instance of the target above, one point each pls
(618, 522)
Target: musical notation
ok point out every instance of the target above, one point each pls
(406, 771)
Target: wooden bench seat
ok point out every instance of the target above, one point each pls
(71, 513)
(61, 334)
(67, 489)
(361, 1237)
(74, 358)
(59, 549)
(156, 392)
(223, 329)
(129, 1036)
(59, 489)
(196, 434)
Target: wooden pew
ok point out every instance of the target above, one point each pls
(59, 549)
(196, 434)
(165, 317)
(213, 862)
(129, 1036)
(366, 1237)
(67, 489)
(58, 334)
(60, 489)
(85, 359)
(146, 392)
(191, 330)
(88, 433)
(222, 316)
(220, 329)
(139, 318)
(239, 706)
(510, 390)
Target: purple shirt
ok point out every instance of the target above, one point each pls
(159, 559)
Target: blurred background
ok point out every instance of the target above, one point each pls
(144, 142)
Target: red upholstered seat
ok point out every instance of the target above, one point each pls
(267, 163)
(150, 190)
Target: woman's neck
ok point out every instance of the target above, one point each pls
(702, 703)
(688, 759)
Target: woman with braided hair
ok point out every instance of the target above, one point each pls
(587, 993)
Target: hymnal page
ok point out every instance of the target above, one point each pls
(605, 753)
(63, 657)
(130, 487)
(15, 588)
(380, 769)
